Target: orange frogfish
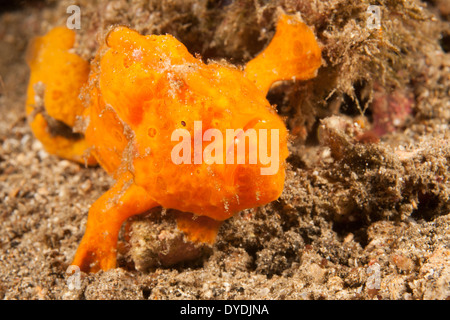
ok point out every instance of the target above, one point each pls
(172, 130)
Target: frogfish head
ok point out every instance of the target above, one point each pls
(201, 138)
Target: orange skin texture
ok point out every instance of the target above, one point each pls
(140, 90)
(51, 63)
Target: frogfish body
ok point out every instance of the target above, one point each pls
(172, 130)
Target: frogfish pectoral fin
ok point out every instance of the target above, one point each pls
(98, 248)
(293, 53)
